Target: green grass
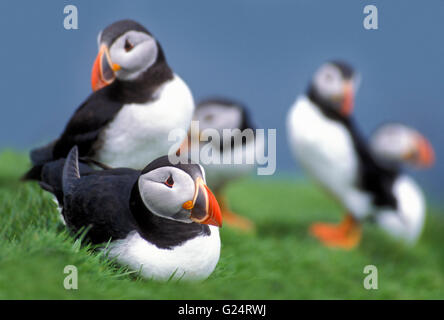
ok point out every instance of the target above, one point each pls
(279, 261)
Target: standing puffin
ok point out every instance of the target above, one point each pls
(162, 220)
(219, 114)
(396, 144)
(137, 101)
(325, 140)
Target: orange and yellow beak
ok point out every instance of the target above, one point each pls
(349, 97)
(103, 71)
(204, 207)
(423, 155)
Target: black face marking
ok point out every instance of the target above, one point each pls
(193, 170)
(118, 28)
(162, 232)
(169, 182)
(346, 70)
(128, 45)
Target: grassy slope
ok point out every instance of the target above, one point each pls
(279, 262)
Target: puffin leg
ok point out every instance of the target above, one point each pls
(345, 235)
(233, 219)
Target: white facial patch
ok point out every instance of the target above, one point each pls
(163, 200)
(134, 52)
(393, 142)
(218, 117)
(329, 82)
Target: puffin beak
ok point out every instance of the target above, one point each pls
(204, 207)
(423, 156)
(348, 103)
(186, 143)
(103, 71)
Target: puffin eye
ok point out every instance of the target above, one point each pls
(169, 182)
(328, 77)
(128, 45)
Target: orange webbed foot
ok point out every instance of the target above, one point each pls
(232, 219)
(345, 235)
(236, 221)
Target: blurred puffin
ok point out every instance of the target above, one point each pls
(219, 114)
(323, 137)
(162, 220)
(137, 101)
(396, 144)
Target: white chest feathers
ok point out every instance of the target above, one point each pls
(407, 222)
(324, 148)
(139, 132)
(193, 260)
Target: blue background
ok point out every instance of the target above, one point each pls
(262, 52)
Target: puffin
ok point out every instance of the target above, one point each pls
(219, 113)
(396, 145)
(325, 140)
(137, 100)
(162, 221)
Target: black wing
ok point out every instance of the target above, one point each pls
(85, 125)
(376, 177)
(43, 155)
(100, 200)
(49, 176)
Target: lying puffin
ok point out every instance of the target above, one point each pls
(137, 101)
(323, 137)
(396, 144)
(162, 220)
(219, 114)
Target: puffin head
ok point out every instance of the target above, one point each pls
(334, 85)
(220, 114)
(126, 51)
(401, 144)
(178, 192)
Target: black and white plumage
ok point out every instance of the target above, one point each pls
(219, 114)
(137, 101)
(325, 140)
(227, 137)
(396, 144)
(162, 220)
